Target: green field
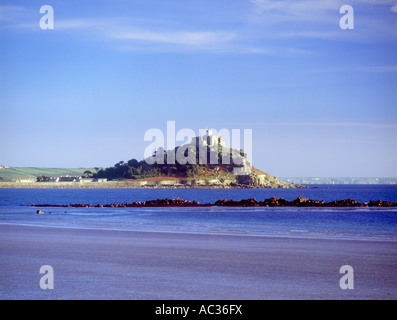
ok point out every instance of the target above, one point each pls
(9, 174)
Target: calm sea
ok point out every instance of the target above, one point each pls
(331, 223)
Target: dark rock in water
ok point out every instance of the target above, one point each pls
(241, 203)
(304, 202)
(345, 203)
(300, 200)
(274, 202)
(252, 202)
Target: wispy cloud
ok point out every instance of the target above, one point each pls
(7, 10)
(321, 124)
(374, 69)
(80, 24)
(346, 124)
(188, 38)
(320, 19)
(9, 13)
(377, 69)
(129, 32)
(292, 10)
(284, 19)
(310, 10)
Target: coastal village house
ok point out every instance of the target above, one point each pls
(74, 179)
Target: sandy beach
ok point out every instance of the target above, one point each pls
(106, 264)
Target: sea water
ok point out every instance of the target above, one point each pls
(328, 223)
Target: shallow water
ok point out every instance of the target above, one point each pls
(329, 223)
(281, 253)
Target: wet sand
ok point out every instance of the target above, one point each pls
(106, 264)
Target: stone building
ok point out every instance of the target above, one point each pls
(208, 140)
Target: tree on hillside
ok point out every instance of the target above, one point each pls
(42, 178)
(133, 163)
(87, 173)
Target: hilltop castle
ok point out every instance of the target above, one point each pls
(208, 140)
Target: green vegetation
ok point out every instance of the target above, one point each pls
(193, 170)
(134, 169)
(42, 178)
(9, 174)
(87, 173)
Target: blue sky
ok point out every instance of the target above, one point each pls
(321, 101)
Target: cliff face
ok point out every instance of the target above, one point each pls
(258, 180)
(215, 178)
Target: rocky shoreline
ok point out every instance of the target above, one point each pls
(127, 185)
(132, 185)
(252, 202)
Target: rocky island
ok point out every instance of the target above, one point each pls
(207, 163)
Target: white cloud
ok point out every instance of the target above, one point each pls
(9, 13)
(138, 35)
(292, 10)
(323, 124)
(311, 9)
(77, 24)
(373, 69)
(379, 69)
(284, 19)
(189, 38)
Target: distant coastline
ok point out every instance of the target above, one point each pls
(340, 180)
(11, 177)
